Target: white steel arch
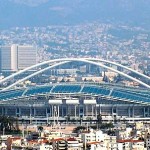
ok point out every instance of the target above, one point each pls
(79, 60)
(56, 60)
(116, 64)
(68, 59)
(34, 74)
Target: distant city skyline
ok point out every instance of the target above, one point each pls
(124, 44)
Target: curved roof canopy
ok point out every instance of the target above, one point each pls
(56, 62)
(122, 94)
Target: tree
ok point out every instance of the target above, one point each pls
(8, 124)
(68, 80)
(81, 119)
(78, 129)
(63, 80)
(107, 125)
(105, 79)
(68, 118)
(40, 128)
(99, 120)
(85, 80)
(22, 121)
(111, 132)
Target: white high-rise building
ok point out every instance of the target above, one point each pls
(17, 57)
(14, 61)
(26, 56)
(5, 58)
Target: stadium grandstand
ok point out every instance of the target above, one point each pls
(75, 100)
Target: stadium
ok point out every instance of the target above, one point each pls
(75, 100)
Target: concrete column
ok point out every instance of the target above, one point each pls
(3, 113)
(47, 115)
(112, 110)
(116, 110)
(67, 109)
(30, 111)
(86, 107)
(144, 112)
(46, 112)
(34, 111)
(58, 110)
(95, 111)
(92, 110)
(129, 112)
(65, 113)
(20, 111)
(62, 112)
(75, 107)
(83, 111)
(52, 110)
(133, 111)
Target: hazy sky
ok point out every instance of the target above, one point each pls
(46, 12)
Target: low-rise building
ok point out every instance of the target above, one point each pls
(129, 144)
(73, 144)
(99, 139)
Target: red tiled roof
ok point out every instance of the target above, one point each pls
(15, 138)
(59, 139)
(129, 140)
(95, 142)
(71, 139)
(33, 141)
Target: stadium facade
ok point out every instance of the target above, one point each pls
(76, 100)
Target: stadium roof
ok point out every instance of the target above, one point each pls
(112, 92)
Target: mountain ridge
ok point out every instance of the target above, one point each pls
(46, 12)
